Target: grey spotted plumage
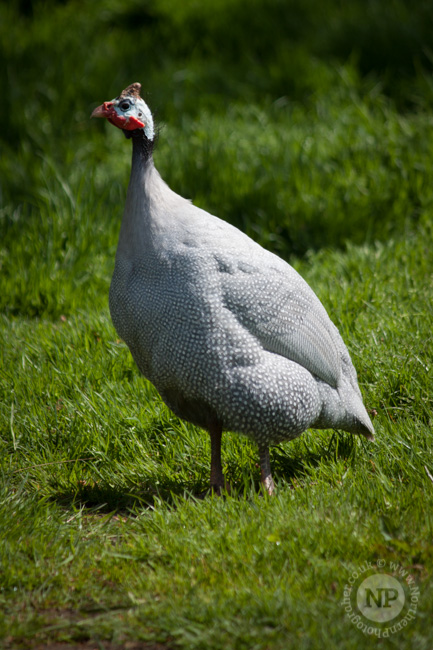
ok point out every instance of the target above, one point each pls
(231, 336)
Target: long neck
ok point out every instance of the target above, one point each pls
(146, 201)
(142, 146)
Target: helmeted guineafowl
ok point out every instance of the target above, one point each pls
(230, 335)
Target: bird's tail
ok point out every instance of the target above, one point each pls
(364, 426)
(342, 408)
(358, 420)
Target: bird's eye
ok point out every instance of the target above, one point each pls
(124, 106)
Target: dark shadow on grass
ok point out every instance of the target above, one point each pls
(126, 499)
(296, 465)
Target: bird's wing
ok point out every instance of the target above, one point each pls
(273, 302)
(267, 296)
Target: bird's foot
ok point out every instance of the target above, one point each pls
(268, 485)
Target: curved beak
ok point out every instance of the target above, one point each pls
(103, 110)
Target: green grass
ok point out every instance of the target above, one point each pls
(317, 142)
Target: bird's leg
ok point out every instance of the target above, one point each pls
(265, 470)
(217, 482)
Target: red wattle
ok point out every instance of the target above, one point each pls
(133, 123)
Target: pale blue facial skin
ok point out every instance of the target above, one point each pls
(135, 107)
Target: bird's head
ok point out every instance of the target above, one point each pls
(128, 112)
